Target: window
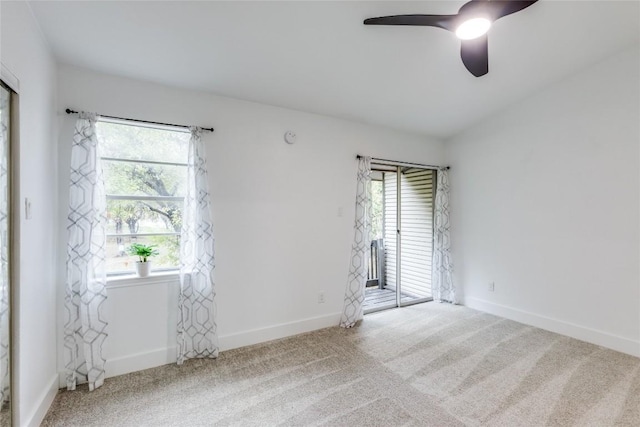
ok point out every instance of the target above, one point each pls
(145, 173)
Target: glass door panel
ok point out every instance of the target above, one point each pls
(5, 349)
(416, 247)
(380, 292)
(402, 237)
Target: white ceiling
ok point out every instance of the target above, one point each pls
(319, 57)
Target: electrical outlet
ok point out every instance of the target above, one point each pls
(491, 287)
(321, 298)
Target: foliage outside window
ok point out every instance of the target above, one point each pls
(145, 176)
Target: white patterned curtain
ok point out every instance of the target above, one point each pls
(4, 247)
(442, 282)
(85, 327)
(197, 335)
(357, 279)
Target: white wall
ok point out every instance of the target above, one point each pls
(24, 53)
(279, 239)
(545, 202)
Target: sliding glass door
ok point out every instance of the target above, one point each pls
(402, 237)
(7, 102)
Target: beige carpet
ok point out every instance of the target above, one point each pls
(425, 365)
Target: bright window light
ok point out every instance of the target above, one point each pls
(473, 28)
(145, 178)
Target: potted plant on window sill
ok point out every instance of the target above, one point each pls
(143, 252)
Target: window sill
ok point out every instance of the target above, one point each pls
(154, 278)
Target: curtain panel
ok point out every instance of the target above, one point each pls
(357, 279)
(197, 334)
(85, 328)
(442, 281)
(4, 248)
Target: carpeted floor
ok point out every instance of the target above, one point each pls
(425, 365)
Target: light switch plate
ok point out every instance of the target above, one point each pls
(27, 208)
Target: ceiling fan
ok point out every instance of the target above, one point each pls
(470, 24)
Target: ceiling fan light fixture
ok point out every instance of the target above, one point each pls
(473, 28)
(470, 24)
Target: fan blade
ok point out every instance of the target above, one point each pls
(500, 8)
(475, 55)
(441, 21)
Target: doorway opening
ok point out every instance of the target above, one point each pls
(399, 271)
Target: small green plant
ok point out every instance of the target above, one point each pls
(143, 251)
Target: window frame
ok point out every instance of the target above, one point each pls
(123, 278)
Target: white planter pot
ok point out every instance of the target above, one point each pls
(143, 268)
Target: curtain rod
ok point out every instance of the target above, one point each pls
(70, 111)
(408, 164)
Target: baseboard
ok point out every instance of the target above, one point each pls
(140, 361)
(43, 405)
(281, 330)
(132, 363)
(594, 336)
(164, 356)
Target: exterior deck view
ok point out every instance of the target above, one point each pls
(402, 228)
